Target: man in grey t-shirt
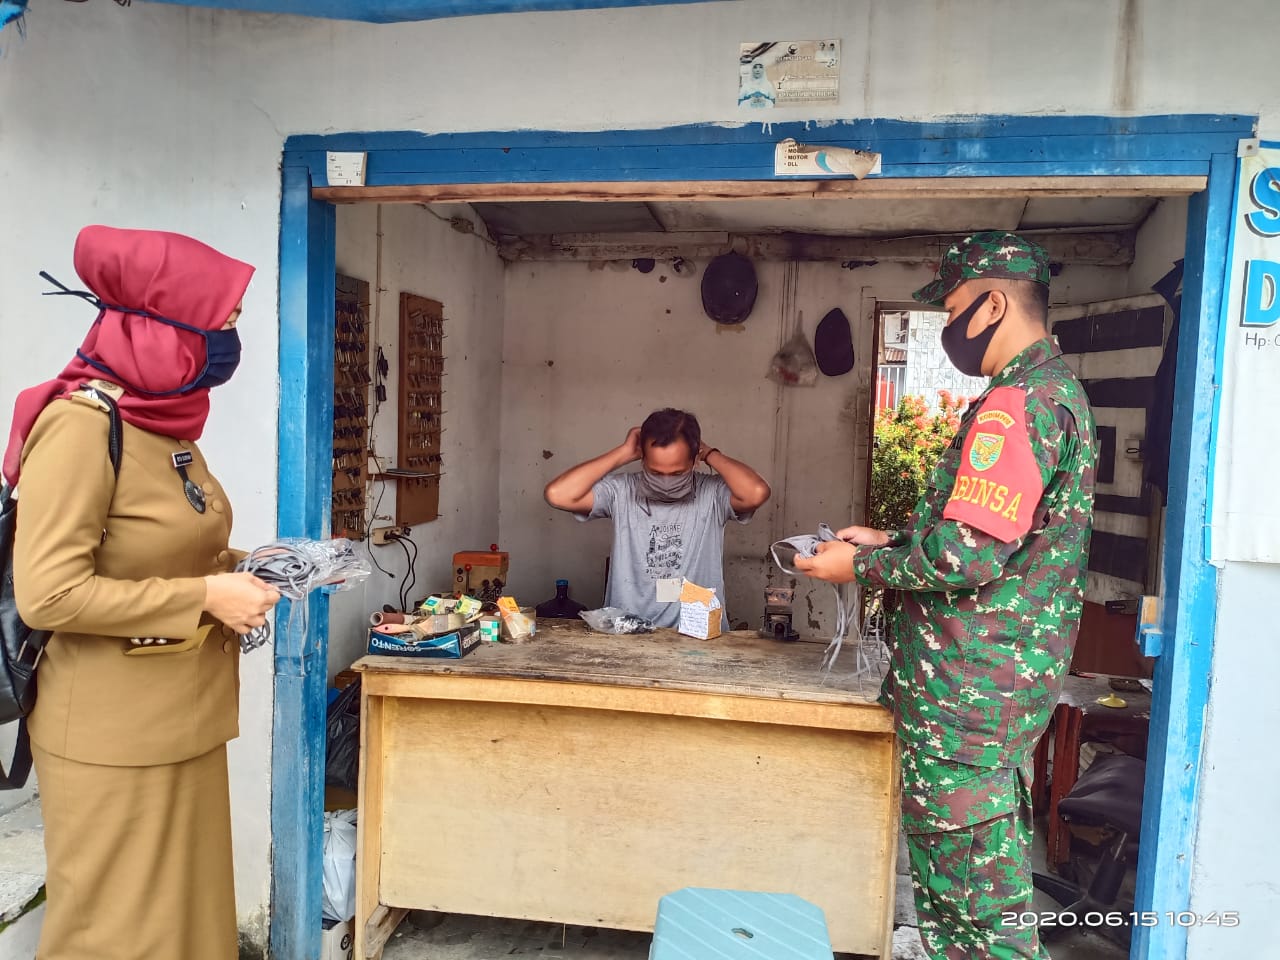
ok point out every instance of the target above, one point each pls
(668, 521)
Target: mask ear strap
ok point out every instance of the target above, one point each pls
(65, 291)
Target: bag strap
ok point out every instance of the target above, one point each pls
(20, 767)
(115, 432)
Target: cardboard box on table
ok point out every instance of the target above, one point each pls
(449, 646)
(700, 612)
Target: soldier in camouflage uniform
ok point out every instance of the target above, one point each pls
(992, 573)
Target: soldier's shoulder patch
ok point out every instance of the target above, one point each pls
(998, 483)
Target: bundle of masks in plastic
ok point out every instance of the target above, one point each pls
(616, 621)
(295, 567)
(848, 596)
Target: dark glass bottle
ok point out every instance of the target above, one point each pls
(560, 607)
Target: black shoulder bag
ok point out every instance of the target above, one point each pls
(20, 646)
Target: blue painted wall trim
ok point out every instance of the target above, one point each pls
(1182, 673)
(307, 230)
(986, 146)
(396, 11)
(961, 147)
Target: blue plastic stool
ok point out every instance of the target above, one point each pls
(700, 924)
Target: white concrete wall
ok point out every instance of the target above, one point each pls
(1236, 848)
(1162, 239)
(173, 118)
(423, 255)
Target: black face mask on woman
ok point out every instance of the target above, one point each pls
(221, 347)
(964, 353)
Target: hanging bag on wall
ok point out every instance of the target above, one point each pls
(20, 645)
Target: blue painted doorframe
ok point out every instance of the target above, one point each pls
(1181, 679)
(398, 11)
(984, 147)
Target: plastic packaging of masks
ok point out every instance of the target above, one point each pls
(616, 621)
(848, 596)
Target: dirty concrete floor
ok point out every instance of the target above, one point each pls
(435, 936)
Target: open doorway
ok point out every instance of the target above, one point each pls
(581, 314)
(919, 397)
(306, 272)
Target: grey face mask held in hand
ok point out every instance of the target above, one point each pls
(784, 553)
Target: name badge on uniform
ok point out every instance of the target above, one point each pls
(195, 496)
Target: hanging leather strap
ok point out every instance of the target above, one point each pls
(20, 765)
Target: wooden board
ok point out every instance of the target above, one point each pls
(421, 410)
(1101, 247)
(351, 380)
(589, 817)
(578, 778)
(909, 188)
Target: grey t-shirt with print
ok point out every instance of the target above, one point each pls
(660, 541)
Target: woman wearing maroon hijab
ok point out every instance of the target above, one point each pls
(138, 686)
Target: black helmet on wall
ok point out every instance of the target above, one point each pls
(729, 288)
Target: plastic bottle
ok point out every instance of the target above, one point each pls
(560, 607)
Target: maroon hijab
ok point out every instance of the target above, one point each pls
(163, 273)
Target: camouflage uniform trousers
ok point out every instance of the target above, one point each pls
(968, 833)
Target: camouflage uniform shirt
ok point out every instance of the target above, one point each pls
(992, 574)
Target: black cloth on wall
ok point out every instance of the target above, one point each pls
(1155, 470)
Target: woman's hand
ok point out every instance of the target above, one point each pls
(239, 600)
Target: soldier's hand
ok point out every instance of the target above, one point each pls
(833, 562)
(863, 536)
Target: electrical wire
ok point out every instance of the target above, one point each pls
(411, 576)
(368, 534)
(463, 226)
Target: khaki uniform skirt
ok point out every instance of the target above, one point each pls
(139, 860)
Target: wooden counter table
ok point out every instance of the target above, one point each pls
(577, 778)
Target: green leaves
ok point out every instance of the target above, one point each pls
(908, 442)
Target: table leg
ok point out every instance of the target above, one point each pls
(374, 923)
(1040, 771)
(1066, 769)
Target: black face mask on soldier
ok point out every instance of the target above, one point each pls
(964, 353)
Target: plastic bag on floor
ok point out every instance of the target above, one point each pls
(342, 743)
(338, 901)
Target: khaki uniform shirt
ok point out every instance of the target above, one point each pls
(100, 560)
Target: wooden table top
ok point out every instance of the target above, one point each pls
(739, 663)
(1083, 692)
